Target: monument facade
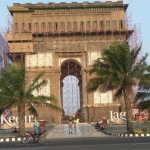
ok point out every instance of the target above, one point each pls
(63, 40)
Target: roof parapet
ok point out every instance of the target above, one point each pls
(63, 5)
(119, 2)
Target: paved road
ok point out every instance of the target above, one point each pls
(105, 143)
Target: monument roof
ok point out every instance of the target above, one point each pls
(17, 7)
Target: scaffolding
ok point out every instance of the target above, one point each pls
(64, 43)
(135, 39)
(4, 49)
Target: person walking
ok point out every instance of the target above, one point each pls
(70, 126)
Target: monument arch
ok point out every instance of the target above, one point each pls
(65, 42)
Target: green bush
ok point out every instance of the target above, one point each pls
(138, 131)
(144, 130)
(136, 127)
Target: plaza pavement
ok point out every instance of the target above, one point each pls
(79, 131)
(56, 132)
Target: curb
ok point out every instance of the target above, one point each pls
(126, 135)
(12, 139)
(131, 135)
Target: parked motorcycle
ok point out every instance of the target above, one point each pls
(34, 138)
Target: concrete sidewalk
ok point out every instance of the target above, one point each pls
(60, 131)
(81, 130)
(7, 133)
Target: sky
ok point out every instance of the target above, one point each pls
(71, 96)
(138, 8)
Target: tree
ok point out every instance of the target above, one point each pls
(143, 95)
(17, 92)
(119, 70)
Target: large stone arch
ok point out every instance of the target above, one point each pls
(71, 67)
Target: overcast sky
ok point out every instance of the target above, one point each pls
(140, 10)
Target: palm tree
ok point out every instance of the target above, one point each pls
(16, 92)
(143, 95)
(119, 70)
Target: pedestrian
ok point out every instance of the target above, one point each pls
(102, 126)
(97, 126)
(15, 130)
(36, 131)
(70, 126)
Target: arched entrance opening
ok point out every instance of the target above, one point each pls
(71, 95)
(71, 89)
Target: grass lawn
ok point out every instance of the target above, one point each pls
(144, 123)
